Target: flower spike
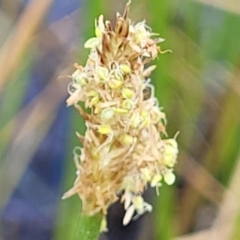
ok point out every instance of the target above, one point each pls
(122, 150)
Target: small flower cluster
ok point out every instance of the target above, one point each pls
(123, 150)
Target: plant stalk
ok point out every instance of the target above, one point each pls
(89, 227)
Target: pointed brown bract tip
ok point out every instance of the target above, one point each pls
(126, 10)
(122, 149)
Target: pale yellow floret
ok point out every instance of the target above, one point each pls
(156, 180)
(126, 139)
(98, 32)
(94, 101)
(169, 158)
(104, 129)
(135, 121)
(120, 110)
(92, 43)
(92, 93)
(170, 152)
(107, 114)
(146, 174)
(95, 153)
(127, 93)
(145, 118)
(128, 104)
(82, 81)
(99, 27)
(103, 226)
(146, 121)
(118, 75)
(125, 68)
(103, 73)
(79, 77)
(140, 33)
(97, 110)
(139, 206)
(138, 203)
(128, 184)
(173, 143)
(114, 83)
(169, 178)
(144, 114)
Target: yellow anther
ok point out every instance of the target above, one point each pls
(143, 113)
(107, 113)
(99, 26)
(103, 226)
(169, 156)
(104, 129)
(92, 93)
(140, 33)
(170, 152)
(156, 180)
(97, 110)
(146, 121)
(126, 139)
(169, 159)
(128, 183)
(98, 32)
(146, 174)
(125, 68)
(103, 73)
(127, 93)
(114, 84)
(145, 118)
(94, 101)
(128, 104)
(79, 77)
(82, 81)
(121, 110)
(169, 178)
(135, 121)
(92, 43)
(138, 203)
(172, 143)
(95, 154)
(118, 76)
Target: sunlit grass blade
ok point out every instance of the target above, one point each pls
(11, 101)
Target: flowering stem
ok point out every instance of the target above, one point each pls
(89, 227)
(121, 115)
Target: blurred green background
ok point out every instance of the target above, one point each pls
(198, 85)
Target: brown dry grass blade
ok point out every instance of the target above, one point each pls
(223, 227)
(18, 41)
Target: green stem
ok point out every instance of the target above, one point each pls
(89, 227)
